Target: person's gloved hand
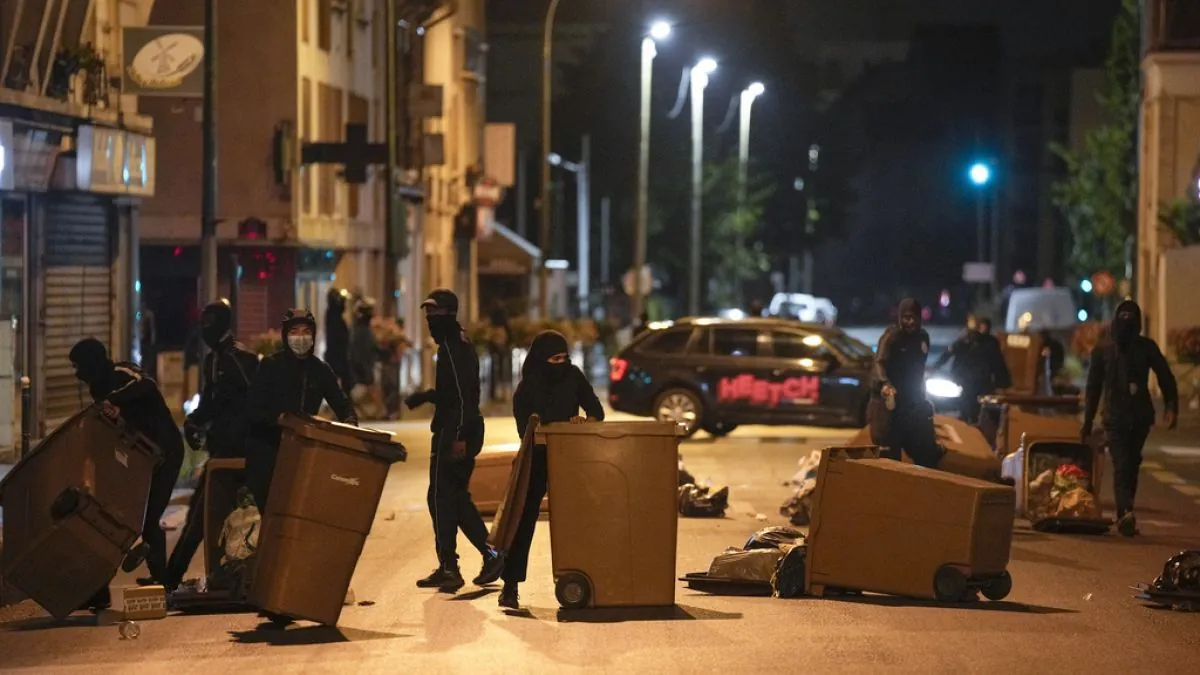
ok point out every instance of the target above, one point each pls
(194, 435)
(414, 401)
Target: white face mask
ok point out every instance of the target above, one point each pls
(300, 345)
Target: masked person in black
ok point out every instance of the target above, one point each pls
(457, 440)
(124, 391)
(555, 390)
(899, 387)
(337, 337)
(292, 380)
(1120, 374)
(219, 421)
(365, 353)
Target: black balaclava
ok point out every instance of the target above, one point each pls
(1126, 323)
(537, 365)
(909, 306)
(216, 324)
(294, 318)
(443, 323)
(90, 359)
(984, 326)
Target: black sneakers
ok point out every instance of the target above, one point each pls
(1127, 525)
(509, 598)
(435, 580)
(493, 567)
(453, 581)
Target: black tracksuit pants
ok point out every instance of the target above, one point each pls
(449, 496)
(1126, 444)
(516, 560)
(161, 486)
(190, 537)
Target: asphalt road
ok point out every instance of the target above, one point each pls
(1071, 609)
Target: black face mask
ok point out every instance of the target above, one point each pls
(442, 326)
(1124, 329)
(556, 372)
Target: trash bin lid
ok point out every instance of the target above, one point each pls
(612, 429)
(349, 437)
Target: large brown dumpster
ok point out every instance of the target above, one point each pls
(324, 493)
(85, 484)
(613, 512)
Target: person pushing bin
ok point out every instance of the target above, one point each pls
(124, 391)
(555, 390)
(457, 440)
(292, 380)
(219, 420)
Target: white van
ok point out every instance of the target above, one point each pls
(1036, 309)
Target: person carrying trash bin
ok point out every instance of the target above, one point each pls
(900, 417)
(218, 424)
(123, 391)
(555, 390)
(457, 440)
(292, 380)
(1120, 375)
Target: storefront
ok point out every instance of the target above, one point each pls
(69, 257)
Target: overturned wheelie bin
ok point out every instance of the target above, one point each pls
(882, 526)
(325, 491)
(613, 512)
(1057, 484)
(73, 510)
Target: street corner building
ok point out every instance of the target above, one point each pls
(77, 162)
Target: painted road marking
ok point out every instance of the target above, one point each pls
(1151, 465)
(1180, 451)
(1168, 478)
(502, 447)
(1189, 490)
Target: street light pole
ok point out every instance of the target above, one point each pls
(583, 200)
(391, 207)
(208, 208)
(699, 77)
(659, 31)
(546, 203)
(747, 103)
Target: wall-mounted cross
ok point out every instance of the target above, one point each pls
(355, 155)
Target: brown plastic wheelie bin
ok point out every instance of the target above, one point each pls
(89, 460)
(324, 493)
(613, 512)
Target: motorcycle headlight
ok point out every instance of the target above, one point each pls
(942, 388)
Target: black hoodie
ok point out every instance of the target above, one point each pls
(900, 358)
(555, 392)
(1120, 372)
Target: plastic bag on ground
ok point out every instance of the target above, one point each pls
(753, 566)
(239, 535)
(700, 502)
(798, 507)
(774, 537)
(788, 580)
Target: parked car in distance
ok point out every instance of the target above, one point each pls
(715, 374)
(804, 308)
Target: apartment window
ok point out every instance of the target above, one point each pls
(329, 101)
(304, 20)
(359, 113)
(305, 136)
(324, 24)
(350, 18)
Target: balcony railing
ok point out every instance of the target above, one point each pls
(1173, 25)
(45, 51)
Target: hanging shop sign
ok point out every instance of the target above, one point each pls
(164, 61)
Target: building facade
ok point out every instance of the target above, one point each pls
(289, 72)
(76, 161)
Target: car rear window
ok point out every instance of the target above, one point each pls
(735, 342)
(795, 346)
(667, 342)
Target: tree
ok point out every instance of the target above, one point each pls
(1098, 196)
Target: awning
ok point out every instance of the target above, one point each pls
(506, 253)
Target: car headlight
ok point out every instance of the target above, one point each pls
(942, 388)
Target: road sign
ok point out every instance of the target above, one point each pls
(1102, 283)
(979, 273)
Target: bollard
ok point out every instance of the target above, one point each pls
(26, 414)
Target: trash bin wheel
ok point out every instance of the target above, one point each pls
(65, 504)
(573, 591)
(949, 584)
(998, 588)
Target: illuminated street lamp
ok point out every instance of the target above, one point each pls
(699, 76)
(747, 103)
(660, 31)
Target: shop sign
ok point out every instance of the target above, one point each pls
(765, 393)
(164, 61)
(112, 161)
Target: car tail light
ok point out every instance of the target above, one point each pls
(617, 369)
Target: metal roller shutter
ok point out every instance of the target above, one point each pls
(77, 297)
